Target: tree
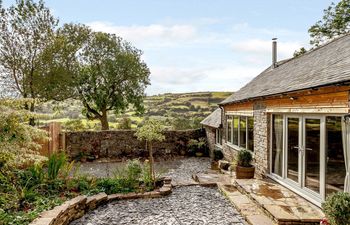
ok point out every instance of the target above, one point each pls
(26, 30)
(111, 77)
(299, 52)
(151, 131)
(335, 22)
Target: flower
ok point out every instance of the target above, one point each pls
(324, 221)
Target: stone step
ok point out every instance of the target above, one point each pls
(278, 203)
(247, 207)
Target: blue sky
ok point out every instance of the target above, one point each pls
(199, 45)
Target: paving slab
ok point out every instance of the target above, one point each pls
(246, 206)
(211, 178)
(283, 205)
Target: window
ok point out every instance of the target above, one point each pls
(250, 133)
(277, 144)
(240, 130)
(335, 163)
(235, 130)
(218, 137)
(229, 129)
(243, 132)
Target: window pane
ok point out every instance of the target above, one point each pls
(242, 131)
(229, 129)
(335, 165)
(293, 148)
(277, 144)
(251, 133)
(235, 130)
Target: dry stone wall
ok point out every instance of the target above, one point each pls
(123, 143)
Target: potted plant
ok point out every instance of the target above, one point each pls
(244, 169)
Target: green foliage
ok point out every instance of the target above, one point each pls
(74, 125)
(18, 141)
(109, 72)
(150, 131)
(218, 155)
(56, 162)
(197, 146)
(26, 30)
(335, 22)
(182, 123)
(124, 123)
(244, 158)
(299, 52)
(337, 208)
(24, 193)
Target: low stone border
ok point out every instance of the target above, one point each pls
(75, 208)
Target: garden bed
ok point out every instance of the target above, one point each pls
(78, 206)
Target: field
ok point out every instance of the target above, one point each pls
(180, 111)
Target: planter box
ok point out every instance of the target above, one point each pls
(245, 172)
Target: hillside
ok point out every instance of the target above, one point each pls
(184, 108)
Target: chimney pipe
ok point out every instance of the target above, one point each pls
(274, 53)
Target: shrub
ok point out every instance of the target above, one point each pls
(18, 140)
(337, 208)
(56, 162)
(244, 158)
(124, 123)
(74, 125)
(218, 155)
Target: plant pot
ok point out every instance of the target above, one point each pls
(199, 154)
(245, 172)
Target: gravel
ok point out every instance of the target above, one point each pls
(186, 205)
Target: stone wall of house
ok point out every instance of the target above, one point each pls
(123, 143)
(261, 139)
(210, 134)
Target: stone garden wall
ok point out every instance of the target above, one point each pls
(123, 143)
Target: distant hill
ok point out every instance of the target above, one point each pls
(190, 106)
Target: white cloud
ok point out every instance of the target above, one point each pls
(145, 33)
(185, 57)
(259, 46)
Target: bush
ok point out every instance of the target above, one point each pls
(218, 155)
(56, 162)
(74, 125)
(337, 208)
(124, 123)
(244, 158)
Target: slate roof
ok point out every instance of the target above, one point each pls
(213, 120)
(325, 65)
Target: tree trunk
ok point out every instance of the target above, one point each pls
(151, 164)
(104, 121)
(32, 119)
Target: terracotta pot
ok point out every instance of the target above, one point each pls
(245, 172)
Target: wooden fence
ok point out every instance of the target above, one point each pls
(55, 141)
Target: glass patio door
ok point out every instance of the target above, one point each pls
(311, 153)
(303, 152)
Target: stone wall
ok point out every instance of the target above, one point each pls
(210, 133)
(123, 143)
(261, 139)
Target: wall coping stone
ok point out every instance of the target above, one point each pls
(75, 208)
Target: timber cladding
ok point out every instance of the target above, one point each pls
(123, 143)
(326, 97)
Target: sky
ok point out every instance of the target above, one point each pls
(199, 45)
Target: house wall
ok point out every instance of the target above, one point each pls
(210, 134)
(261, 139)
(322, 100)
